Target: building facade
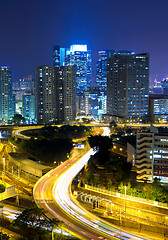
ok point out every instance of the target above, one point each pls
(101, 69)
(55, 94)
(6, 94)
(45, 94)
(65, 93)
(28, 108)
(128, 84)
(26, 84)
(158, 108)
(95, 102)
(152, 156)
(80, 57)
(164, 85)
(59, 56)
(77, 55)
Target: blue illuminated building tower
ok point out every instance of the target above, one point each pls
(128, 84)
(80, 57)
(28, 108)
(101, 69)
(6, 94)
(77, 55)
(59, 56)
(165, 86)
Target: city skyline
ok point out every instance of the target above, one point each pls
(31, 29)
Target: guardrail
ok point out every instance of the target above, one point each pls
(127, 197)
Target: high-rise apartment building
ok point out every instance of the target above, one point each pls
(55, 93)
(128, 84)
(65, 93)
(28, 108)
(45, 94)
(158, 108)
(6, 94)
(78, 56)
(101, 69)
(152, 151)
(164, 84)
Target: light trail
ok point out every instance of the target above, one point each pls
(53, 193)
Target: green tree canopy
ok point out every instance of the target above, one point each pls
(3, 236)
(2, 188)
(33, 217)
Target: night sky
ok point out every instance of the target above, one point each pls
(30, 28)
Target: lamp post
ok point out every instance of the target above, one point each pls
(3, 164)
(125, 199)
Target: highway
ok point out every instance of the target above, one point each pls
(53, 193)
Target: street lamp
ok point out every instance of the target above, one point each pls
(125, 199)
(3, 164)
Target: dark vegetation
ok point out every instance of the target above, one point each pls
(35, 225)
(3, 236)
(18, 119)
(51, 144)
(65, 131)
(130, 139)
(32, 224)
(47, 150)
(105, 167)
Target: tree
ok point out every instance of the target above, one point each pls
(103, 142)
(33, 217)
(2, 188)
(113, 124)
(109, 184)
(18, 119)
(3, 236)
(33, 223)
(121, 187)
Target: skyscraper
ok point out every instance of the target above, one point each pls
(78, 56)
(59, 56)
(45, 96)
(65, 93)
(28, 108)
(6, 95)
(164, 84)
(128, 84)
(152, 150)
(55, 93)
(101, 69)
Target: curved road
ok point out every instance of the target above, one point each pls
(53, 193)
